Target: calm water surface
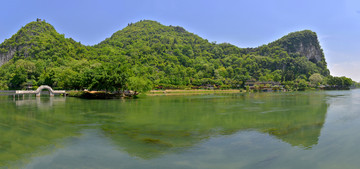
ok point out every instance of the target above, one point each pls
(266, 130)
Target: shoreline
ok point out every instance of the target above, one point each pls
(169, 92)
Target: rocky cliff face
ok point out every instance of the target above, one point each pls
(6, 56)
(7, 52)
(311, 51)
(303, 43)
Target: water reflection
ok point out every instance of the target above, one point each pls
(27, 128)
(152, 127)
(39, 101)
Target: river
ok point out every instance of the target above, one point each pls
(228, 131)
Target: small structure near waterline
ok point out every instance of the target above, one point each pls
(37, 91)
(264, 86)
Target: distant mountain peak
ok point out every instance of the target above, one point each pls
(304, 42)
(27, 37)
(36, 28)
(147, 30)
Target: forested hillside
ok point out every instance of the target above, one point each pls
(146, 55)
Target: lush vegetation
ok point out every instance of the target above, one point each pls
(147, 55)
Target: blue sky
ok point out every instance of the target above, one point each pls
(248, 23)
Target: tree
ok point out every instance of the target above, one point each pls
(341, 82)
(18, 78)
(3, 85)
(346, 82)
(106, 76)
(277, 75)
(302, 84)
(139, 84)
(315, 79)
(47, 78)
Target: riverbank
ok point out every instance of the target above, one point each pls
(167, 92)
(106, 95)
(187, 92)
(93, 94)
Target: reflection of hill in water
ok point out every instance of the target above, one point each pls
(153, 126)
(160, 125)
(29, 125)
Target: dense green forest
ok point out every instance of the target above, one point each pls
(147, 55)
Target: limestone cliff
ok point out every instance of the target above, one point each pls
(304, 43)
(6, 55)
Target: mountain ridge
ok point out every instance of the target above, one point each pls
(179, 29)
(165, 55)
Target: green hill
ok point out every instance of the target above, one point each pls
(147, 54)
(39, 40)
(304, 43)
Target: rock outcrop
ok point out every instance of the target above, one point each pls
(6, 56)
(310, 50)
(304, 43)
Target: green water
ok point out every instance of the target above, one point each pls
(264, 130)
